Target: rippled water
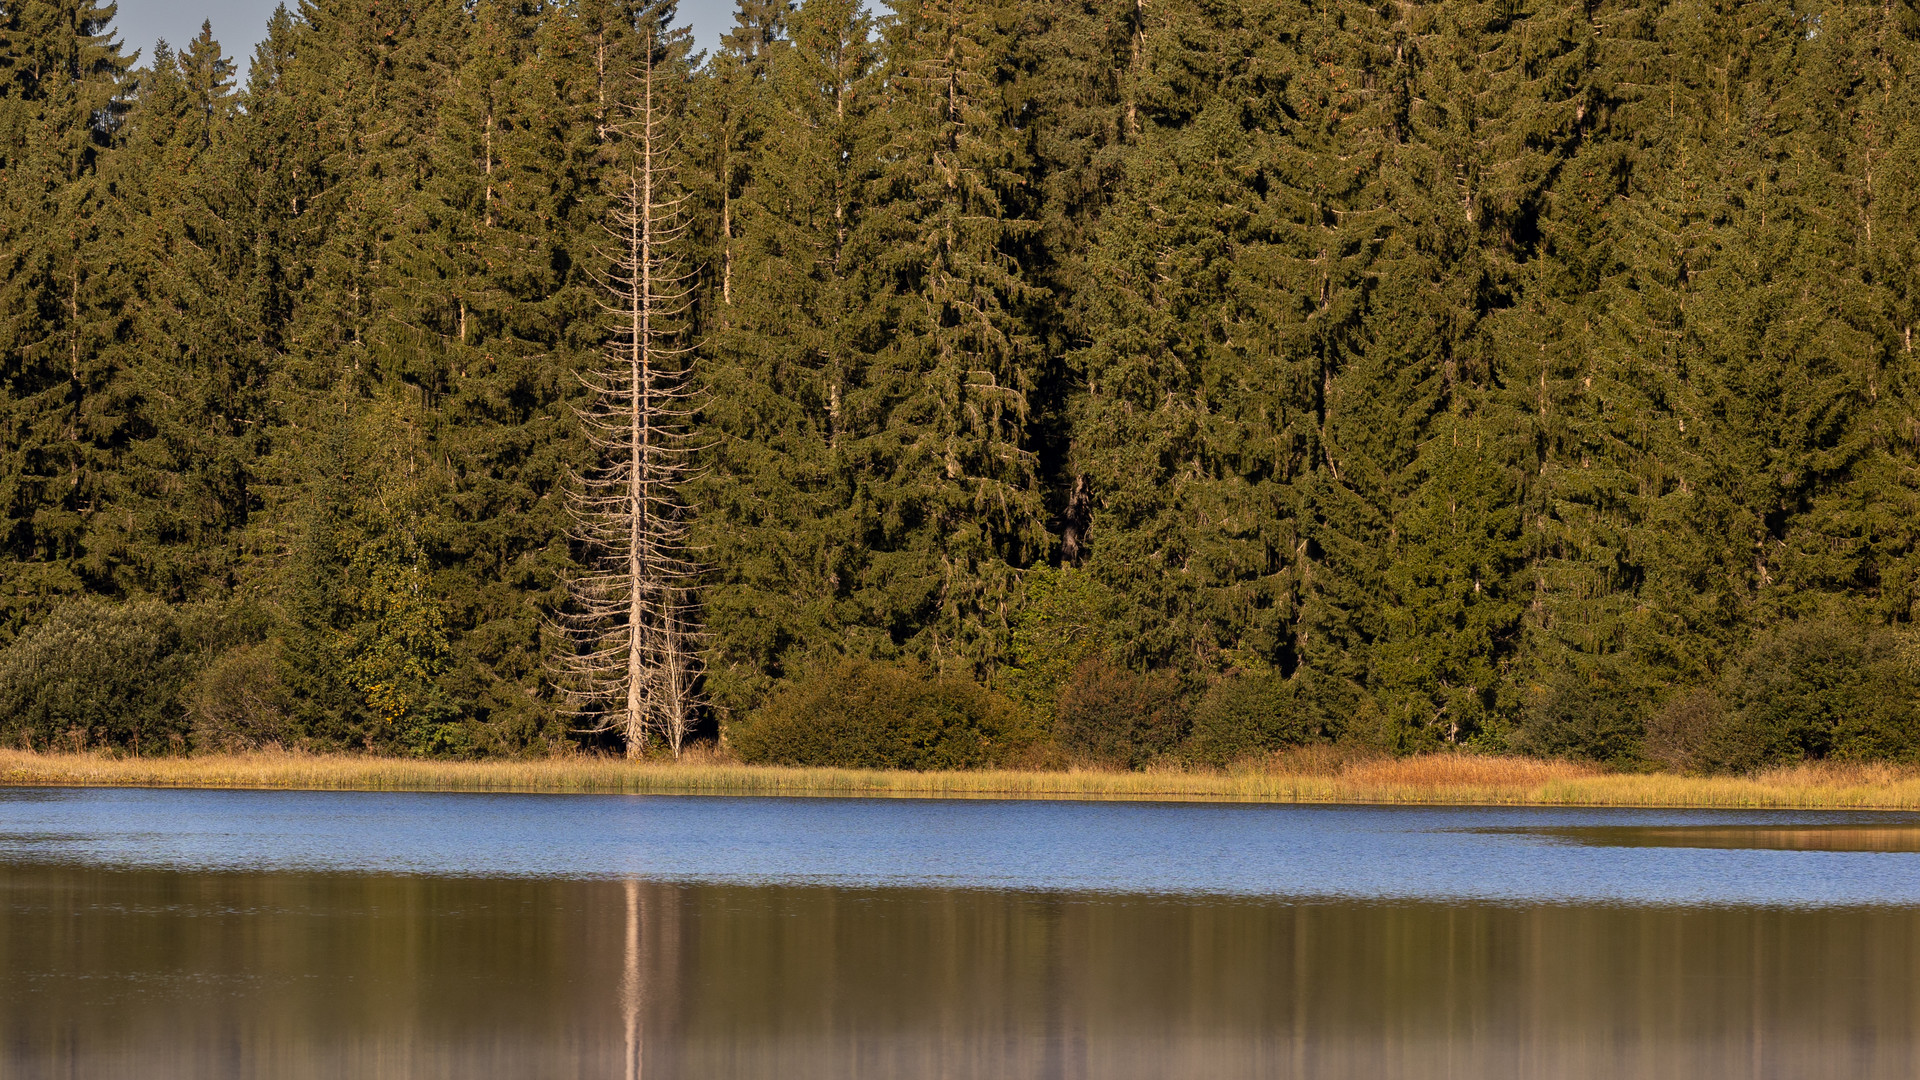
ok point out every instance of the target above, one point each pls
(254, 934)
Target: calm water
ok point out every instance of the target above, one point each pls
(247, 934)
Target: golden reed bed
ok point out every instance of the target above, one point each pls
(1436, 779)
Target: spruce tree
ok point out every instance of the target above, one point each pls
(353, 477)
(946, 481)
(61, 294)
(1232, 273)
(483, 297)
(190, 372)
(1883, 165)
(1497, 95)
(781, 527)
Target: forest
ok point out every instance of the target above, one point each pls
(1118, 381)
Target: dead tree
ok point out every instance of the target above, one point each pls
(631, 619)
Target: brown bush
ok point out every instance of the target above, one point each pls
(238, 702)
(1118, 717)
(1678, 733)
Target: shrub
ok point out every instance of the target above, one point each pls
(1246, 715)
(434, 726)
(1065, 616)
(1590, 711)
(239, 703)
(1812, 689)
(98, 674)
(870, 715)
(1677, 735)
(1119, 717)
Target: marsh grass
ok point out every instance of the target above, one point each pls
(1314, 776)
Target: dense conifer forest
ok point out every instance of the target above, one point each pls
(1124, 380)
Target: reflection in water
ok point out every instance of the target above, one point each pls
(630, 982)
(162, 974)
(1847, 837)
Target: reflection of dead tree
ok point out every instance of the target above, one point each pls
(649, 992)
(631, 619)
(630, 985)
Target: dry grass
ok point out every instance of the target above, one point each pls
(1304, 776)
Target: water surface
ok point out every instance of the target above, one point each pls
(1523, 855)
(251, 934)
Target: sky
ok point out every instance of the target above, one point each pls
(240, 24)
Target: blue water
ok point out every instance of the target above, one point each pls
(1172, 849)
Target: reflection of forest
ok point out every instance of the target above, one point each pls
(121, 973)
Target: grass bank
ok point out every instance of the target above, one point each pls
(1436, 779)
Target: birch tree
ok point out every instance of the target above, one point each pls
(631, 617)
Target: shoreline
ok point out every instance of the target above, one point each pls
(1428, 780)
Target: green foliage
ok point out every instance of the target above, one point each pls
(238, 703)
(1249, 714)
(1111, 715)
(870, 715)
(1593, 712)
(1518, 377)
(394, 647)
(1817, 688)
(1065, 618)
(99, 674)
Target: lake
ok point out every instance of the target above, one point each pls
(294, 934)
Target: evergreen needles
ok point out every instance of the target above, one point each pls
(1513, 376)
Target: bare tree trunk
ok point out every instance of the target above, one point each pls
(632, 667)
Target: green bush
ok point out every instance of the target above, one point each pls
(98, 674)
(865, 714)
(1065, 616)
(1246, 715)
(1119, 717)
(1814, 689)
(1592, 711)
(127, 675)
(434, 726)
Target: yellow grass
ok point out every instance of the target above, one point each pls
(1436, 779)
